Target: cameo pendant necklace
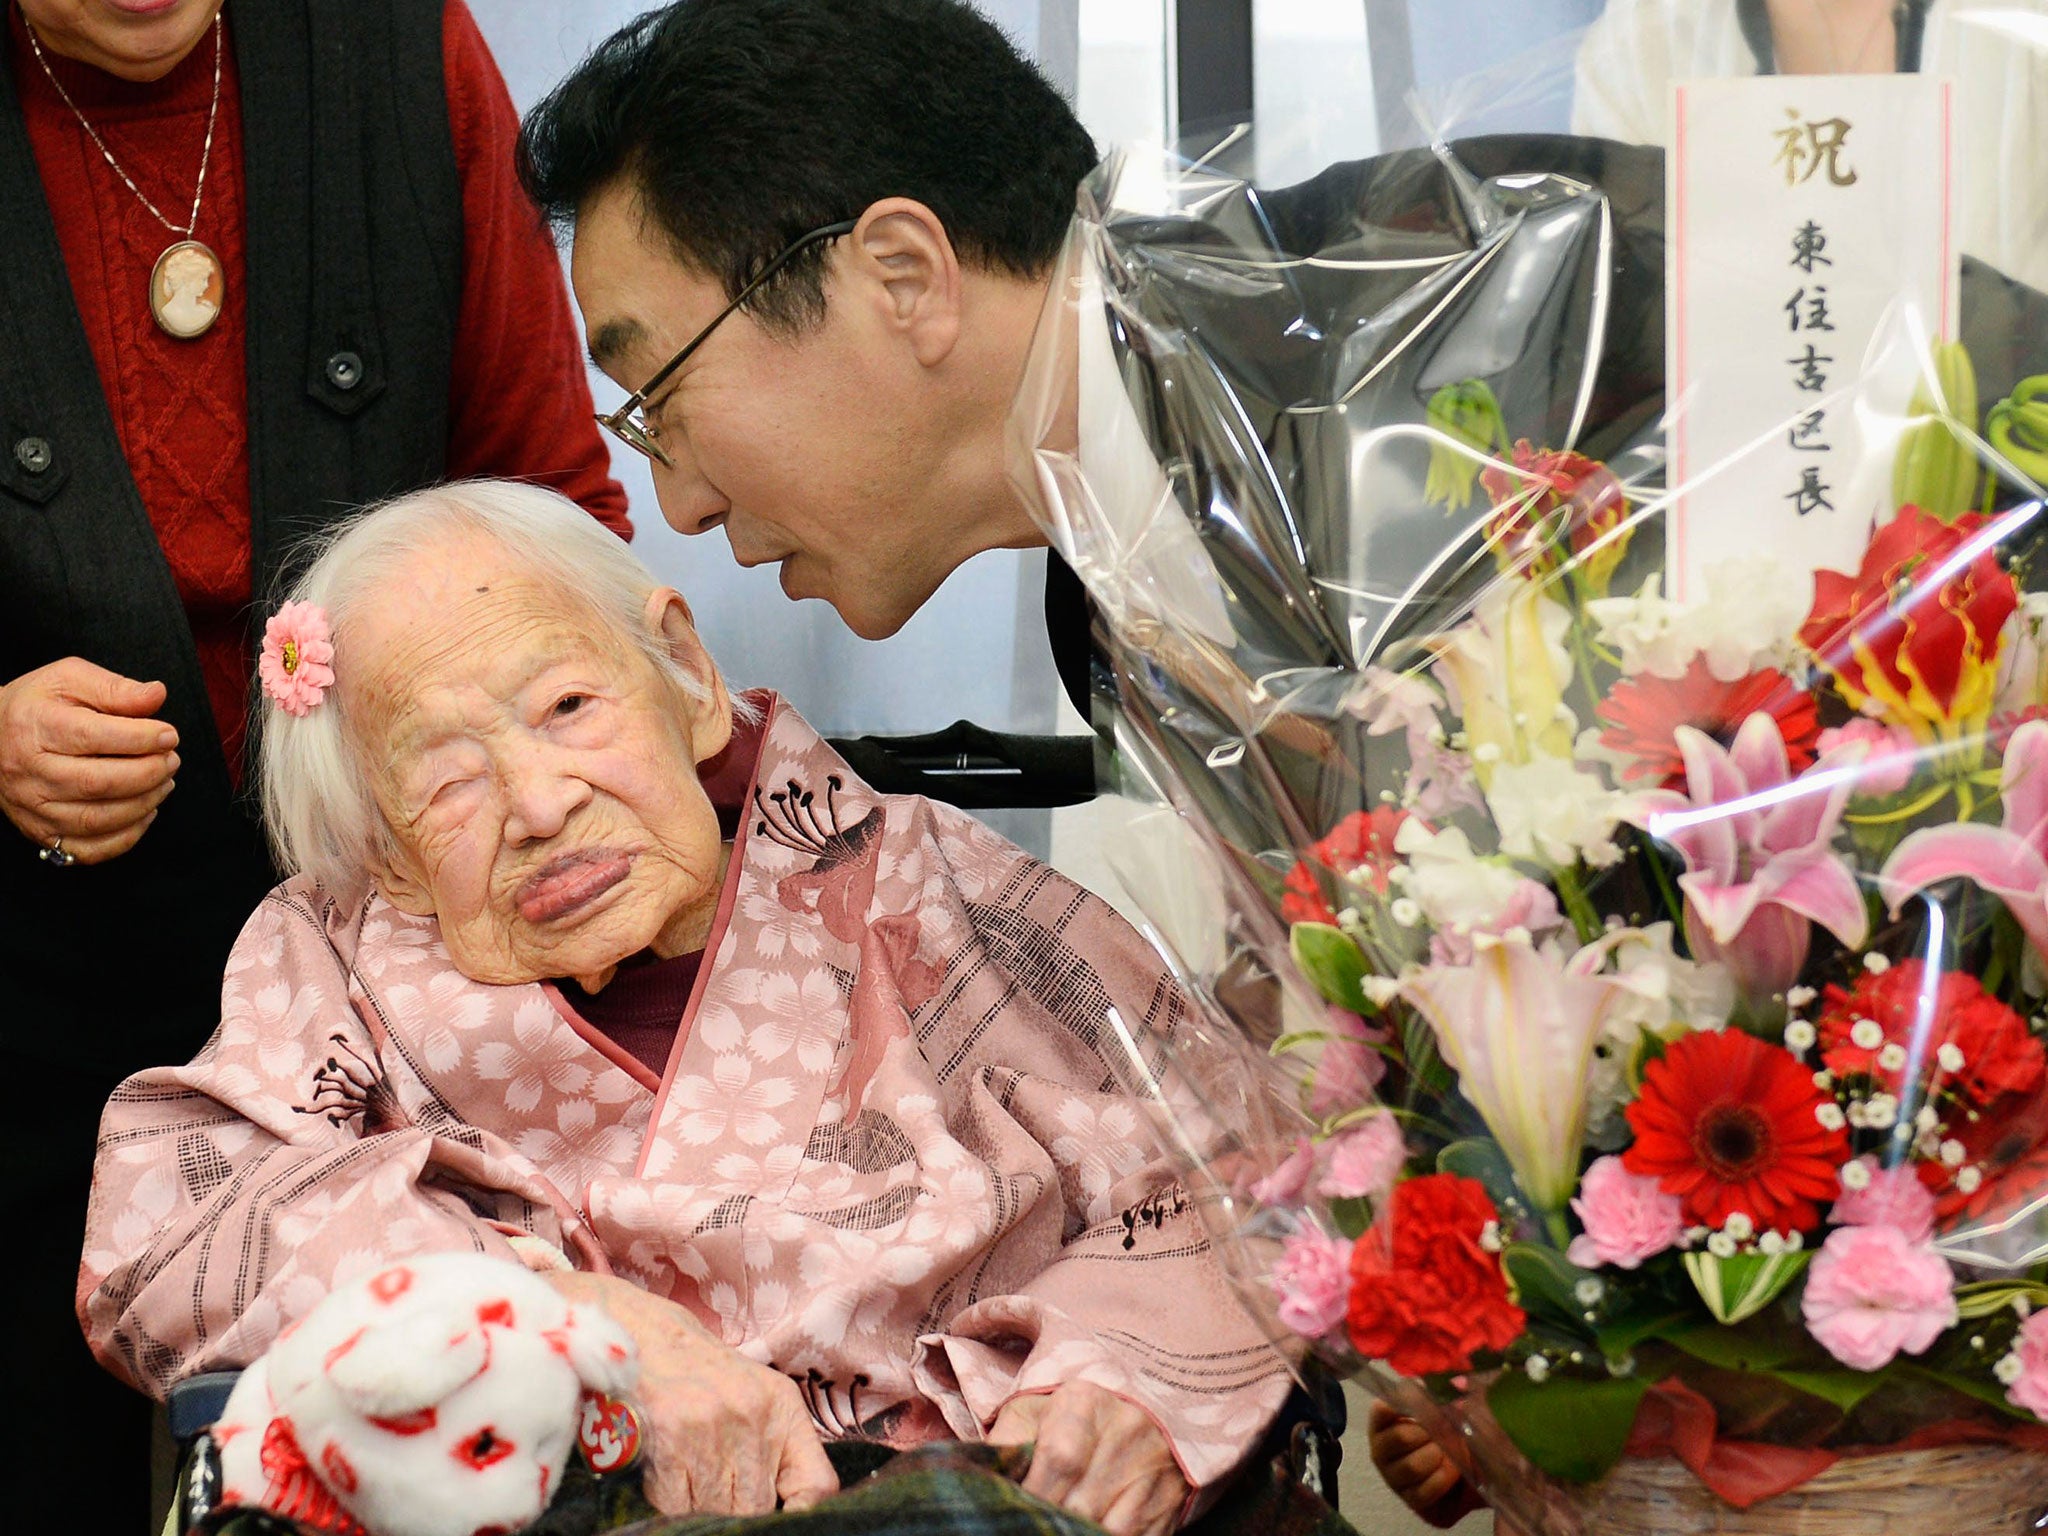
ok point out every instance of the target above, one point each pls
(188, 285)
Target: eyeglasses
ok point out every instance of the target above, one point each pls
(630, 423)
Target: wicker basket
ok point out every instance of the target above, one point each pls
(1966, 1490)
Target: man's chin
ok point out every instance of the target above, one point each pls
(869, 613)
(872, 626)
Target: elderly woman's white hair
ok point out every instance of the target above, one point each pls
(318, 806)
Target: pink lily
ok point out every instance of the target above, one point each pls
(2011, 862)
(1518, 1024)
(1758, 848)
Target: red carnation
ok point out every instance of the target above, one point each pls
(2002, 1141)
(1992, 1105)
(1360, 848)
(1916, 630)
(1426, 1292)
(2000, 1054)
(2008, 1198)
(1643, 713)
(1729, 1123)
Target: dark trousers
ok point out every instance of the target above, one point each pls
(77, 1438)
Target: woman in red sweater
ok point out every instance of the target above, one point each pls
(261, 263)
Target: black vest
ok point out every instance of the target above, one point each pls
(353, 274)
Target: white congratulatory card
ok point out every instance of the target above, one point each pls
(1812, 262)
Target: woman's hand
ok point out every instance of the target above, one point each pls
(1097, 1455)
(1416, 1468)
(725, 1436)
(81, 759)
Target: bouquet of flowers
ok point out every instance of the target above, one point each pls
(1649, 996)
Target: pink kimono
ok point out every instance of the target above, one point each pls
(887, 1156)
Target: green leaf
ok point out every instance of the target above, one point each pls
(1845, 1389)
(1991, 1296)
(1571, 1428)
(1790, 1359)
(1649, 1046)
(1481, 1159)
(1357, 1116)
(1288, 1044)
(1733, 1349)
(1546, 1285)
(1984, 1391)
(1352, 1216)
(1631, 1329)
(1420, 1055)
(1742, 1286)
(1333, 964)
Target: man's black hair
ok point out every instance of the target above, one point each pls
(745, 124)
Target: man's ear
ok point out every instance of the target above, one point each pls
(902, 258)
(710, 718)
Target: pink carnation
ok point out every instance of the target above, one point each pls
(1627, 1216)
(1351, 1065)
(1529, 905)
(1894, 1197)
(1872, 1294)
(1286, 1184)
(296, 664)
(1888, 762)
(2029, 1390)
(1364, 1161)
(1313, 1277)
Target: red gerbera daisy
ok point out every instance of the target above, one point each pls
(1359, 848)
(1729, 1123)
(1643, 713)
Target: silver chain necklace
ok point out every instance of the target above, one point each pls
(188, 285)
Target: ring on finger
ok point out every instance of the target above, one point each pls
(56, 855)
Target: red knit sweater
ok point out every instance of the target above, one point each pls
(181, 406)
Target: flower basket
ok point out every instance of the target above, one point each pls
(1623, 1035)
(1963, 1490)
(1952, 1490)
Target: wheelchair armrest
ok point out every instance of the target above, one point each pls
(196, 1403)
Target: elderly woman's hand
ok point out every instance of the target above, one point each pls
(81, 759)
(726, 1436)
(1098, 1455)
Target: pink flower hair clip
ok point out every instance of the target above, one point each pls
(298, 655)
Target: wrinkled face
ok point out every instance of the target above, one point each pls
(537, 773)
(134, 39)
(819, 452)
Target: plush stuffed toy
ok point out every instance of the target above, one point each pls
(439, 1396)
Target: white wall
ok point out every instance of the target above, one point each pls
(1120, 95)
(1312, 89)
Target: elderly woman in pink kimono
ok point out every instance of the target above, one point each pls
(587, 965)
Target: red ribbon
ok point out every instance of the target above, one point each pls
(1675, 1420)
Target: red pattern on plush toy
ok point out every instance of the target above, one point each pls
(439, 1397)
(291, 1489)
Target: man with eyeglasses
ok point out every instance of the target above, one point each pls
(726, 165)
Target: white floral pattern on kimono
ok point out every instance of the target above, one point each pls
(888, 1156)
